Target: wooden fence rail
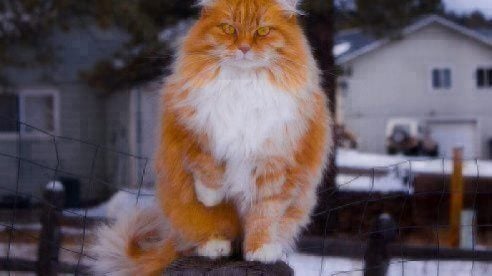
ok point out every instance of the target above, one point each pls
(357, 249)
(49, 243)
(376, 252)
(20, 265)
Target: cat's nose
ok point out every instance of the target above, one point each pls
(244, 48)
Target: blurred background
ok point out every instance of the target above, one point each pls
(410, 86)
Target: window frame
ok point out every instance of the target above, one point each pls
(441, 68)
(29, 92)
(475, 77)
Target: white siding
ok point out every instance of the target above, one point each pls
(133, 123)
(150, 126)
(455, 134)
(395, 81)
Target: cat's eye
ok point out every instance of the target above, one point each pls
(228, 29)
(263, 31)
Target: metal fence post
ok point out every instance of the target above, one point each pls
(377, 257)
(49, 239)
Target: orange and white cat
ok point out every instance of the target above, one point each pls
(244, 142)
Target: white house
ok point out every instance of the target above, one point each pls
(436, 73)
(51, 121)
(133, 119)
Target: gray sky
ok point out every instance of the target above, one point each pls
(466, 6)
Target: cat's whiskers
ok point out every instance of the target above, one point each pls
(200, 77)
(292, 62)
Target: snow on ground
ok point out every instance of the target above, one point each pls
(397, 167)
(307, 265)
(471, 168)
(382, 184)
(125, 200)
(442, 268)
(55, 186)
(356, 159)
(120, 203)
(26, 251)
(362, 160)
(29, 251)
(35, 227)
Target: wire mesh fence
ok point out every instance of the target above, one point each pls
(372, 225)
(391, 219)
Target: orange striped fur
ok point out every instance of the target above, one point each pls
(245, 132)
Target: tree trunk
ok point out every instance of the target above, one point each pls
(197, 266)
(320, 27)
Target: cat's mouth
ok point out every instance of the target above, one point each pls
(245, 60)
(239, 55)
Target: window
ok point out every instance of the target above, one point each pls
(9, 112)
(38, 112)
(34, 108)
(441, 78)
(484, 77)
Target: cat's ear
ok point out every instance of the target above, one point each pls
(291, 6)
(205, 3)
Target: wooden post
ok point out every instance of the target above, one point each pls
(197, 266)
(49, 239)
(456, 198)
(377, 257)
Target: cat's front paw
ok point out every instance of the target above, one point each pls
(214, 249)
(208, 196)
(267, 253)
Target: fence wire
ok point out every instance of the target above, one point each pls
(20, 228)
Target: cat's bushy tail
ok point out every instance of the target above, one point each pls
(138, 243)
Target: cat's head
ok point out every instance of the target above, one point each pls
(249, 34)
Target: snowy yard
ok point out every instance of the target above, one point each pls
(362, 160)
(306, 265)
(396, 169)
(393, 180)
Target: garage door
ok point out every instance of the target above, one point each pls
(451, 135)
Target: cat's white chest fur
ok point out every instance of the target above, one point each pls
(241, 112)
(246, 118)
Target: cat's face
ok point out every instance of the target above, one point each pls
(247, 33)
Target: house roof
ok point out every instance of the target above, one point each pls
(350, 41)
(356, 43)
(485, 32)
